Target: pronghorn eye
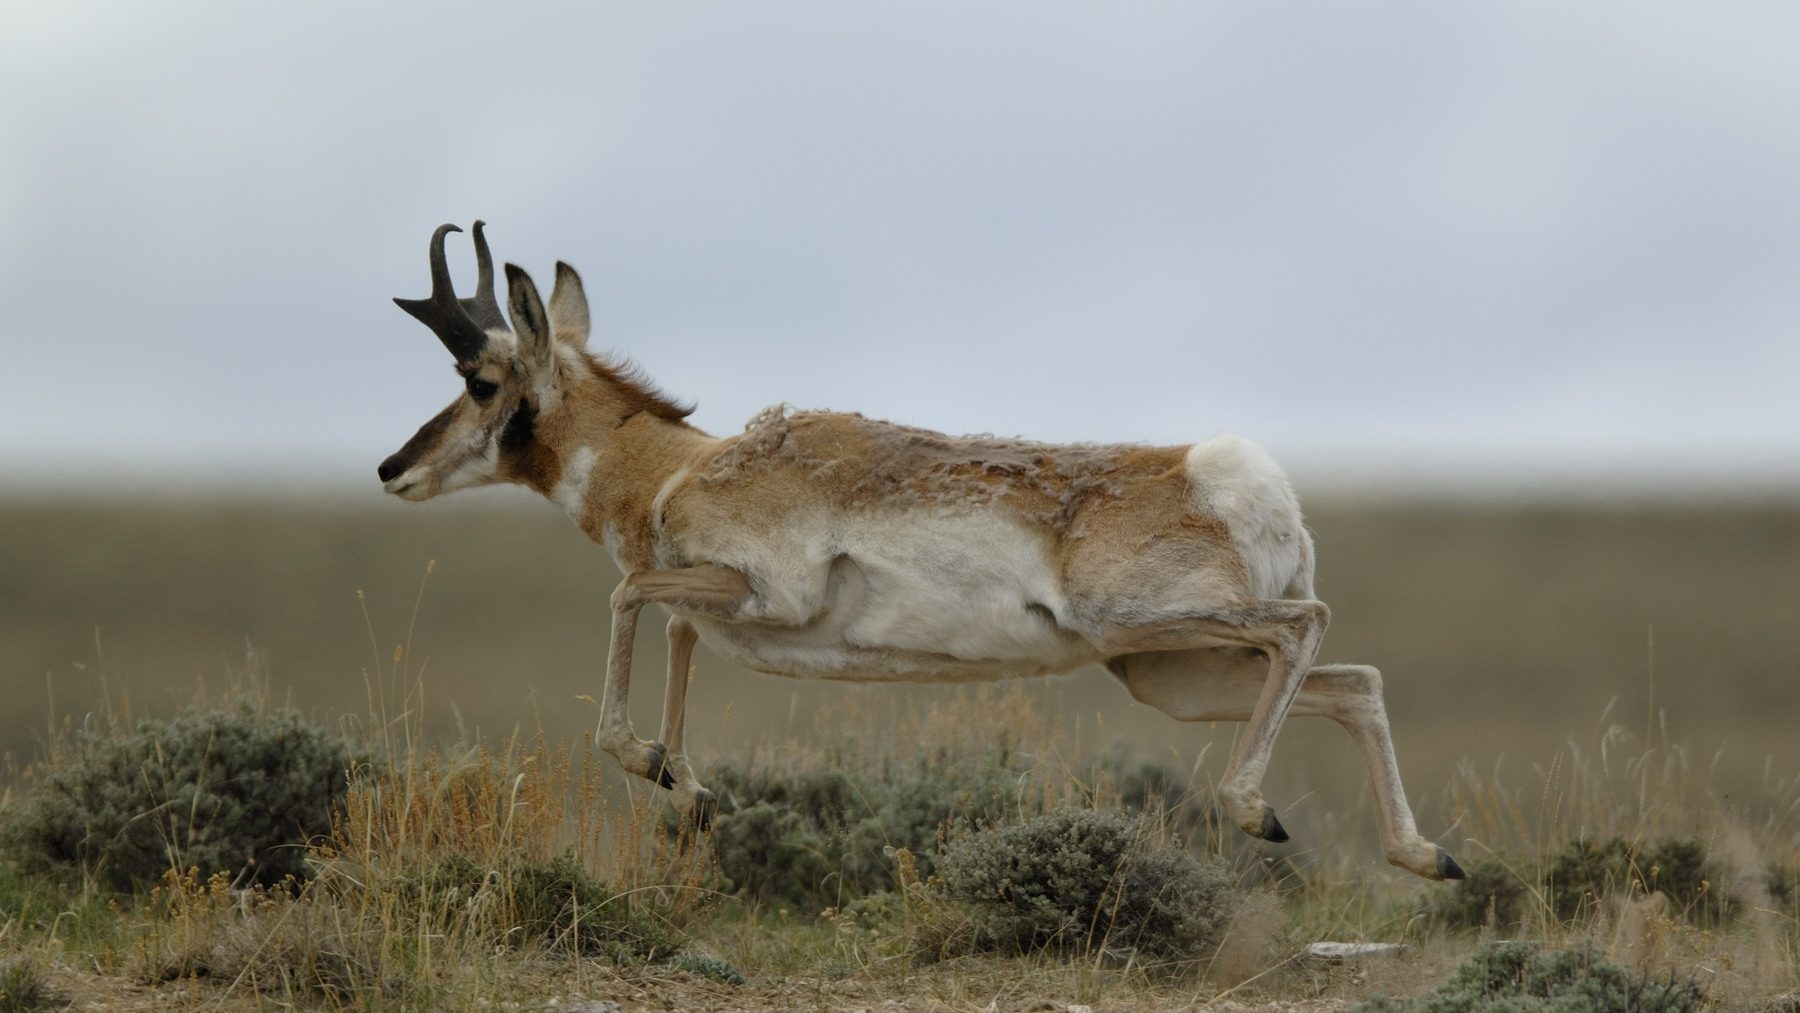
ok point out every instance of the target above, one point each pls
(481, 390)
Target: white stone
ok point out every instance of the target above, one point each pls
(1351, 951)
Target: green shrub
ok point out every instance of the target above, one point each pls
(1585, 871)
(560, 903)
(1145, 786)
(226, 791)
(1516, 977)
(1077, 879)
(821, 838)
(1490, 893)
(25, 988)
(289, 944)
(770, 852)
(556, 904)
(356, 937)
(711, 968)
(28, 902)
(1783, 881)
(1578, 877)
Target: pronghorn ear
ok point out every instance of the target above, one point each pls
(529, 322)
(568, 308)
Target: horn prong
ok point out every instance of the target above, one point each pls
(441, 285)
(484, 306)
(443, 312)
(484, 261)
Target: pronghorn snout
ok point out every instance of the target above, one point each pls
(390, 469)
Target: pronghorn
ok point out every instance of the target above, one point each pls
(828, 545)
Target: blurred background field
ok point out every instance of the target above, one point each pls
(1505, 632)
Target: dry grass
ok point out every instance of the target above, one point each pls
(372, 929)
(1472, 681)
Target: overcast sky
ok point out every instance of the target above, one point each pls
(1520, 243)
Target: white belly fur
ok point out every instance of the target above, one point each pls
(913, 597)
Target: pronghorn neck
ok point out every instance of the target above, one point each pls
(611, 457)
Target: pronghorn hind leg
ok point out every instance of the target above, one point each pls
(1213, 685)
(711, 589)
(1288, 633)
(1351, 695)
(701, 805)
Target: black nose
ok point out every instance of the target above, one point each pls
(390, 469)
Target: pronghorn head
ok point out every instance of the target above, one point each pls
(509, 375)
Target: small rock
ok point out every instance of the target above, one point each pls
(1351, 951)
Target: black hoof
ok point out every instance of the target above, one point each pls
(1272, 830)
(706, 806)
(1447, 867)
(659, 766)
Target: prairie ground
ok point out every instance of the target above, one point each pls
(1556, 674)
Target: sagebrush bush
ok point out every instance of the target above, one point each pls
(1074, 880)
(1491, 893)
(1585, 871)
(821, 838)
(1516, 977)
(1149, 787)
(229, 790)
(25, 987)
(1783, 882)
(711, 968)
(556, 904)
(1582, 874)
(292, 946)
(359, 935)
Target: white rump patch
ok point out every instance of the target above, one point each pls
(1238, 482)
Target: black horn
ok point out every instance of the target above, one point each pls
(448, 317)
(484, 308)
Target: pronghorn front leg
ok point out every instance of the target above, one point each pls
(715, 590)
(681, 655)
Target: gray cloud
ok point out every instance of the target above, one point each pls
(1415, 236)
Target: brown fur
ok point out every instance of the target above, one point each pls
(530, 462)
(635, 392)
(643, 440)
(863, 464)
(423, 440)
(816, 543)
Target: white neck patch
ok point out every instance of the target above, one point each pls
(571, 492)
